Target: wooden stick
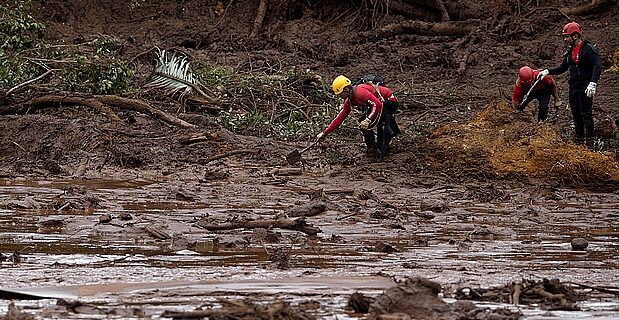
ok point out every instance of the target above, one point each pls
(17, 88)
(141, 106)
(225, 155)
(197, 314)
(262, 9)
(283, 223)
(550, 296)
(515, 297)
(600, 289)
(308, 210)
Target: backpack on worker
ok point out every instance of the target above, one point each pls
(372, 79)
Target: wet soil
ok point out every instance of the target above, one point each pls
(87, 202)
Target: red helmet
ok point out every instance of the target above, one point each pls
(571, 28)
(525, 74)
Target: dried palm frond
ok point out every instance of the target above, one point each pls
(172, 74)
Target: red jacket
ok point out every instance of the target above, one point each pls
(364, 96)
(520, 88)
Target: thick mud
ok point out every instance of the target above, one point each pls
(144, 237)
(125, 216)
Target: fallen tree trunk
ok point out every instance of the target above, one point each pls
(283, 223)
(57, 101)
(98, 103)
(141, 106)
(450, 28)
(594, 6)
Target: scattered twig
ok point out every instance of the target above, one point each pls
(17, 88)
(600, 289)
(19, 146)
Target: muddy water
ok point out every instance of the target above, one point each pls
(65, 251)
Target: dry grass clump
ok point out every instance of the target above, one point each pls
(513, 144)
(614, 67)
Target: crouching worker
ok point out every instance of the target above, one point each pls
(376, 104)
(526, 89)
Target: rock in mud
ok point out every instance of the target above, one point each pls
(15, 313)
(579, 244)
(359, 302)
(416, 298)
(105, 218)
(437, 206)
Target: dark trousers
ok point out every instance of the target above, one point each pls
(582, 113)
(543, 99)
(386, 129)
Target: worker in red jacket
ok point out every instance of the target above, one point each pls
(583, 62)
(527, 88)
(377, 106)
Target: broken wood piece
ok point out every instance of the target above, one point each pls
(141, 106)
(262, 9)
(515, 296)
(157, 233)
(197, 314)
(195, 139)
(282, 223)
(331, 191)
(600, 289)
(19, 88)
(308, 210)
(287, 171)
(550, 296)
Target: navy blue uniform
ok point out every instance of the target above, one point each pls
(583, 62)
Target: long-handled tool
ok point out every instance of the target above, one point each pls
(526, 96)
(295, 156)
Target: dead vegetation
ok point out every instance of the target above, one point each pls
(512, 144)
(245, 310)
(417, 298)
(551, 294)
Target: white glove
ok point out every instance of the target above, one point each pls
(590, 91)
(320, 136)
(542, 74)
(365, 124)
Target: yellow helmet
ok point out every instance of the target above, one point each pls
(339, 83)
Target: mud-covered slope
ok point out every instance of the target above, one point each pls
(444, 60)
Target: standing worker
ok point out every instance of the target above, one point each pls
(527, 89)
(583, 62)
(377, 105)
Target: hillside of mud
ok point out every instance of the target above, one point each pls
(446, 62)
(139, 203)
